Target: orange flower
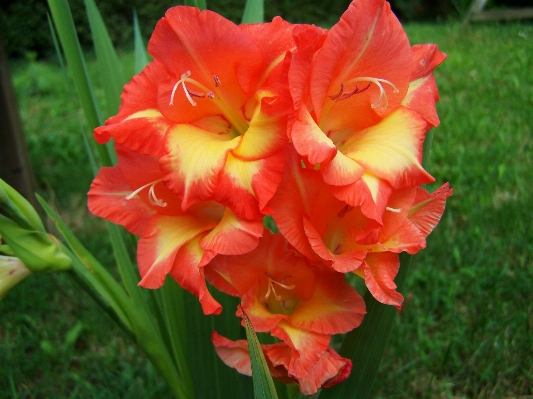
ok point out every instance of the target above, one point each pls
(173, 241)
(325, 229)
(213, 107)
(364, 101)
(327, 371)
(283, 294)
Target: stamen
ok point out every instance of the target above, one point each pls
(395, 210)
(382, 99)
(152, 198)
(271, 287)
(191, 93)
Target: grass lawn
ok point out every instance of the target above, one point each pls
(466, 330)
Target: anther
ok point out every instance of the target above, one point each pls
(152, 198)
(382, 99)
(341, 95)
(344, 211)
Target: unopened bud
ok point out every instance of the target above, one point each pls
(12, 271)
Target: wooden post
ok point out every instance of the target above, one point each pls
(475, 8)
(476, 12)
(15, 166)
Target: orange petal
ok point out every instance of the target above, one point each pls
(328, 371)
(368, 41)
(342, 262)
(342, 170)
(423, 94)
(107, 199)
(380, 269)
(398, 233)
(266, 134)
(157, 250)
(308, 40)
(428, 208)
(257, 310)
(392, 149)
(369, 192)
(189, 274)
(309, 140)
(335, 307)
(139, 125)
(233, 235)
(206, 44)
(195, 160)
(301, 193)
(308, 346)
(233, 353)
(247, 186)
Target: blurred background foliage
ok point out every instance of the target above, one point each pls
(24, 28)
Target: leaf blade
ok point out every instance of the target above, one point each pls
(254, 12)
(263, 385)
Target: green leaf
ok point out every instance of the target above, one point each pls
(66, 30)
(254, 12)
(173, 323)
(366, 344)
(202, 356)
(135, 318)
(91, 271)
(263, 384)
(89, 145)
(201, 4)
(141, 57)
(113, 79)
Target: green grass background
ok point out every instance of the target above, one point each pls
(466, 330)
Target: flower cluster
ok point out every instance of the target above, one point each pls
(322, 130)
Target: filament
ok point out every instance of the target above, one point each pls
(272, 289)
(192, 93)
(395, 210)
(152, 198)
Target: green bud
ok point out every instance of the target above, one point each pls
(19, 208)
(36, 249)
(12, 271)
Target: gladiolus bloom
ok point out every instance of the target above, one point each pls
(325, 229)
(213, 107)
(173, 241)
(358, 115)
(283, 294)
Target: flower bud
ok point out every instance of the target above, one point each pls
(18, 208)
(12, 271)
(25, 235)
